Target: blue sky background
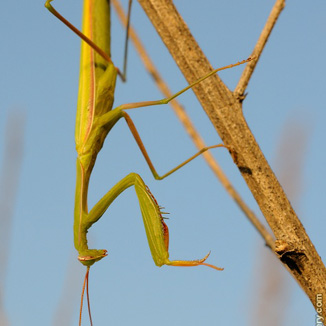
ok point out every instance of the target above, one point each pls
(39, 79)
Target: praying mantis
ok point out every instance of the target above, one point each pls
(94, 120)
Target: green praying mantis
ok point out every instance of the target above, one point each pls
(94, 120)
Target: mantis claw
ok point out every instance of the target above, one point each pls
(191, 263)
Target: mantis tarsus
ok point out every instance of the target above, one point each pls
(95, 118)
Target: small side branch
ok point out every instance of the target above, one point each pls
(260, 45)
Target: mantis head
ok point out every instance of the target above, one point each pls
(92, 256)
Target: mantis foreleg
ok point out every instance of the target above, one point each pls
(156, 230)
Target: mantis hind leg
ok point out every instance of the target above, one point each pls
(107, 118)
(142, 148)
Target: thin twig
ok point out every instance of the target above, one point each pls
(260, 45)
(191, 130)
(293, 247)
